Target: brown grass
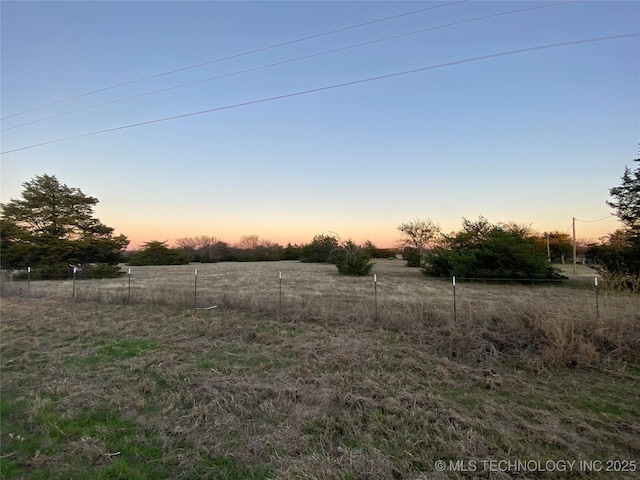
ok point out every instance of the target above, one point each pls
(179, 392)
(538, 325)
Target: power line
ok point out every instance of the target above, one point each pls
(257, 50)
(305, 57)
(593, 221)
(330, 87)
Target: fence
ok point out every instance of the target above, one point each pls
(392, 292)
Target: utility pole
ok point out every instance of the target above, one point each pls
(574, 244)
(548, 248)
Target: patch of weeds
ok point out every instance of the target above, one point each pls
(599, 406)
(127, 348)
(206, 365)
(97, 442)
(278, 330)
(469, 397)
(277, 452)
(19, 441)
(241, 358)
(227, 468)
(121, 350)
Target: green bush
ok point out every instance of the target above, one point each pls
(319, 250)
(157, 253)
(352, 260)
(375, 252)
(483, 250)
(412, 257)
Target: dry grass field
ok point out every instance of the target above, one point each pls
(107, 386)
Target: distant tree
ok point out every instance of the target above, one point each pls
(618, 238)
(222, 252)
(252, 248)
(52, 225)
(188, 246)
(484, 250)
(319, 250)
(560, 246)
(417, 235)
(352, 259)
(626, 201)
(619, 255)
(375, 252)
(206, 246)
(268, 251)
(249, 242)
(291, 252)
(157, 253)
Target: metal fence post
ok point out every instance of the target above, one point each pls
(195, 289)
(28, 279)
(75, 270)
(597, 301)
(455, 313)
(129, 300)
(280, 293)
(375, 293)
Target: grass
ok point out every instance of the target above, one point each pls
(92, 389)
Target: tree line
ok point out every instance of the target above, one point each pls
(52, 229)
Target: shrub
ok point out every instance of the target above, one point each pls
(483, 250)
(412, 256)
(319, 250)
(352, 260)
(157, 253)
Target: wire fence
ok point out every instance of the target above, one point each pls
(287, 288)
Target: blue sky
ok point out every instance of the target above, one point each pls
(535, 138)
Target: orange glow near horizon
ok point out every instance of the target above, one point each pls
(383, 237)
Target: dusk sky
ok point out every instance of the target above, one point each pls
(535, 137)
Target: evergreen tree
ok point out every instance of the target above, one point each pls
(52, 226)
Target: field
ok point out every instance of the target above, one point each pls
(319, 385)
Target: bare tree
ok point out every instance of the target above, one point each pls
(206, 244)
(249, 242)
(187, 245)
(418, 234)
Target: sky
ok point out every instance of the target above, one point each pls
(535, 137)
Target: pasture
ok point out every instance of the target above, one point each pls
(108, 385)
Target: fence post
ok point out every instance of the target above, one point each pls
(455, 313)
(375, 293)
(597, 303)
(280, 293)
(129, 300)
(75, 270)
(28, 279)
(195, 289)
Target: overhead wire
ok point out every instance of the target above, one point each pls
(593, 221)
(334, 86)
(284, 62)
(238, 55)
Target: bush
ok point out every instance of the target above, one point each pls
(157, 253)
(375, 252)
(291, 252)
(319, 250)
(483, 250)
(352, 260)
(412, 257)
